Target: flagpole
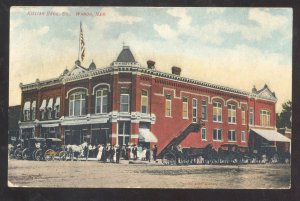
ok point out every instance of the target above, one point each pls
(79, 41)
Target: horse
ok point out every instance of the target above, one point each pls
(76, 149)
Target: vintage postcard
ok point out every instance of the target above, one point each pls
(150, 97)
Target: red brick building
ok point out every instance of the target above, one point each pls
(127, 102)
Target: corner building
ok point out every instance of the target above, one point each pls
(128, 103)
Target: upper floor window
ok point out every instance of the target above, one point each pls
(144, 102)
(217, 112)
(195, 109)
(251, 116)
(26, 111)
(124, 100)
(217, 135)
(243, 115)
(204, 110)
(49, 108)
(77, 104)
(264, 118)
(101, 101)
(57, 107)
(33, 110)
(203, 134)
(243, 136)
(231, 113)
(185, 108)
(231, 136)
(168, 105)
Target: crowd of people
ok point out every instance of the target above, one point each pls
(113, 153)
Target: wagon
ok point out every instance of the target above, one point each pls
(33, 145)
(52, 149)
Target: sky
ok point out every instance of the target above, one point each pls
(233, 47)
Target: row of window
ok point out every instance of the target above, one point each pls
(77, 107)
(218, 136)
(217, 112)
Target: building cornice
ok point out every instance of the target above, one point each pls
(113, 69)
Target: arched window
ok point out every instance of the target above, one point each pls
(217, 112)
(77, 102)
(101, 101)
(265, 118)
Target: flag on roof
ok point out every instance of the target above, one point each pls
(81, 44)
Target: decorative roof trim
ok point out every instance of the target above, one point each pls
(117, 69)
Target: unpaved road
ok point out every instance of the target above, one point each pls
(91, 174)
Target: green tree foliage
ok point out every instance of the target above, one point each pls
(283, 119)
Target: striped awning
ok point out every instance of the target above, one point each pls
(50, 103)
(271, 135)
(145, 135)
(43, 105)
(27, 105)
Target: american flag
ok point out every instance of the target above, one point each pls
(82, 47)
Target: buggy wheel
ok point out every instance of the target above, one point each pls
(38, 155)
(169, 159)
(18, 154)
(62, 155)
(26, 154)
(49, 155)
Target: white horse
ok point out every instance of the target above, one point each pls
(78, 149)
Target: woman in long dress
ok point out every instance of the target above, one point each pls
(100, 150)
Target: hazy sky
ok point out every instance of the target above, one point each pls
(235, 47)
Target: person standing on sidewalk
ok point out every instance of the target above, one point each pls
(155, 153)
(118, 150)
(134, 151)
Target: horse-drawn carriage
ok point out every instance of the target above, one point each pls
(226, 154)
(52, 149)
(31, 146)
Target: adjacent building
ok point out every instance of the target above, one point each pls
(127, 102)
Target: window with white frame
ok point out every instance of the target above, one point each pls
(123, 132)
(33, 110)
(243, 136)
(77, 103)
(43, 108)
(217, 112)
(251, 116)
(168, 105)
(203, 134)
(195, 109)
(231, 136)
(144, 102)
(204, 110)
(124, 100)
(101, 101)
(185, 108)
(265, 118)
(243, 115)
(217, 134)
(231, 113)
(26, 111)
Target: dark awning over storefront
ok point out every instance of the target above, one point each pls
(271, 135)
(145, 135)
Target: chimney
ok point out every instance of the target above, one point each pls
(176, 70)
(151, 64)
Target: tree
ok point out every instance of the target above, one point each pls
(283, 119)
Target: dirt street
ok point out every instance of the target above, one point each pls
(91, 174)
